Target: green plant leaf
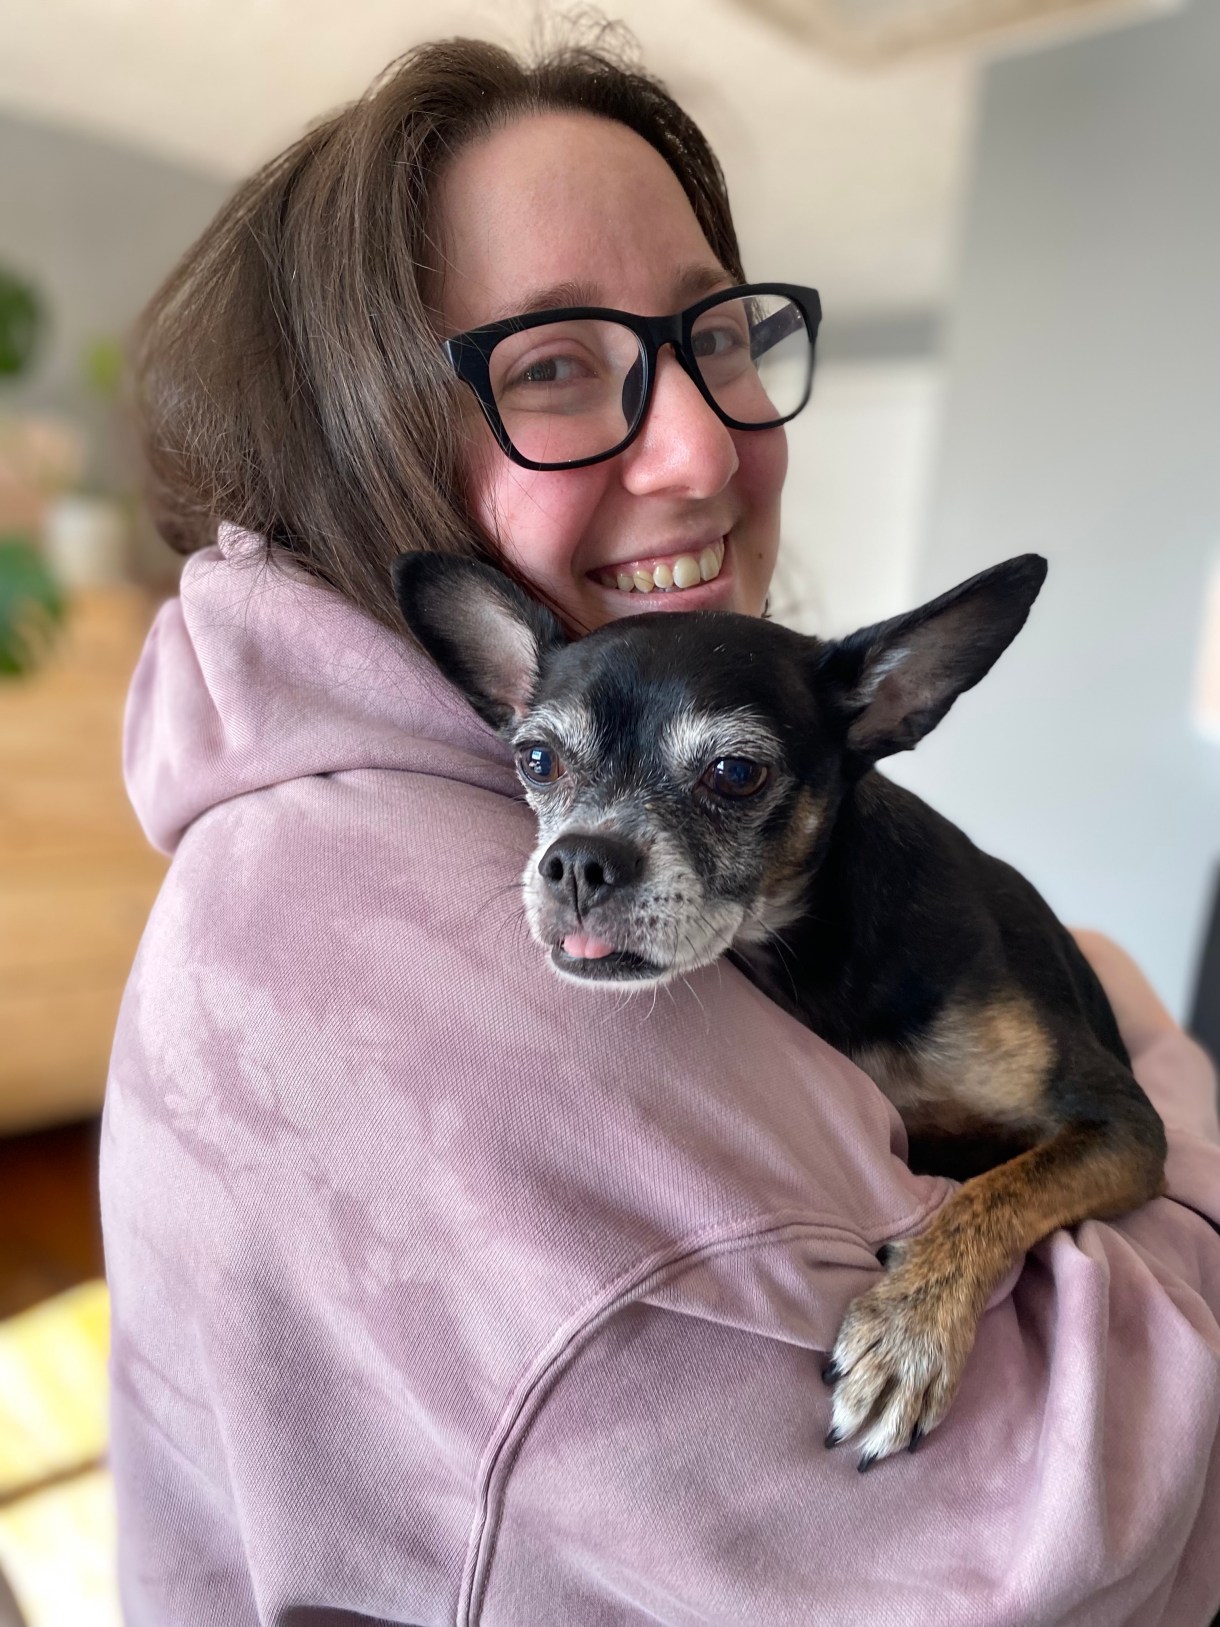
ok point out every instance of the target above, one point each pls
(32, 607)
(102, 366)
(21, 323)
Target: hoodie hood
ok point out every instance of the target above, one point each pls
(257, 674)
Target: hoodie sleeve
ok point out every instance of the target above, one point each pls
(676, 1472)
(1180, 1080)
(1176, 1072)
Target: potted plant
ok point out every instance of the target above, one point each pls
(32, 605)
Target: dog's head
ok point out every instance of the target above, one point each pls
(686, 769)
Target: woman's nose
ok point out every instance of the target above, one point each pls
(682, 446)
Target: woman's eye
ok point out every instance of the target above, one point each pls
(735, 777)
(717, 341)
(551, 370)
(540, 764)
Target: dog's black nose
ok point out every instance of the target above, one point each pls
(585, 870)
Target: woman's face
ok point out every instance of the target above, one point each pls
(568, 209)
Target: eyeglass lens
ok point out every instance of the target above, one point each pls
(574, 389)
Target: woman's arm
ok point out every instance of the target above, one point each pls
(675, 1471)
(1175, 1071)
(1142, 1018)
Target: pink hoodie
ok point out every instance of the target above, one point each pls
(447, 1292)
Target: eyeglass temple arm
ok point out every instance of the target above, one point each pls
(768, 333)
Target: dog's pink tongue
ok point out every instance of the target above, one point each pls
(583, 947)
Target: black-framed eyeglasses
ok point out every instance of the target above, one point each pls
(565, 388)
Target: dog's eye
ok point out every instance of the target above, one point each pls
(735, 777)
(540, 764)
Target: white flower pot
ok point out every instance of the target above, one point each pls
(86, 541)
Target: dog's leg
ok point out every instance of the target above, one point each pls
(903, 1345)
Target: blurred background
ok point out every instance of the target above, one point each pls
(1011, 210)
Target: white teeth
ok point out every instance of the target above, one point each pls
(687, 571)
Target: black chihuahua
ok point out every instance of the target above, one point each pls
(704, 783)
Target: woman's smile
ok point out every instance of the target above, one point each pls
(667, 571)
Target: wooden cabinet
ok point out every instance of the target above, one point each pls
(77, 874)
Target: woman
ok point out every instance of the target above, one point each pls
(444, 1291)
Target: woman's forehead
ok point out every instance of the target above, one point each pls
(567, 204)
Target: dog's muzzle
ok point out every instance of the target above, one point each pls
(583, 871)
(585, 875)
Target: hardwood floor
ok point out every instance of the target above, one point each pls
(50, 1230)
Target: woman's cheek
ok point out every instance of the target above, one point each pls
(538, 519)
(762, 468)
(498, 492)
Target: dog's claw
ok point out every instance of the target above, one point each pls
(833, 1438)
(830, 1373)
(898, 1359)
(866, 1462)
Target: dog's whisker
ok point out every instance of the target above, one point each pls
(694, 994)
(785, 956)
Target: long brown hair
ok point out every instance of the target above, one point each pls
(288, 376)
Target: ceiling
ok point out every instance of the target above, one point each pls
(876, 31)
(839, 177)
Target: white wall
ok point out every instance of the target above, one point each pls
(860, 458)
(1082, 420)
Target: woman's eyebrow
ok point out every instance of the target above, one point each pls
(690, 284)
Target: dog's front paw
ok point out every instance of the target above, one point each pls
(899, 1357)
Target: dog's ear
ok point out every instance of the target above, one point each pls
(891, 684)
(485, 634)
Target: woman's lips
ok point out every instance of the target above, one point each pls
(664, 573)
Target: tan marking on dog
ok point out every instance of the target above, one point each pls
(781, 892)
(789, 859)
(976, 1065)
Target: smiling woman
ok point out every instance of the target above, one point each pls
(500, 190)
(442, 1291)
(565, 193)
